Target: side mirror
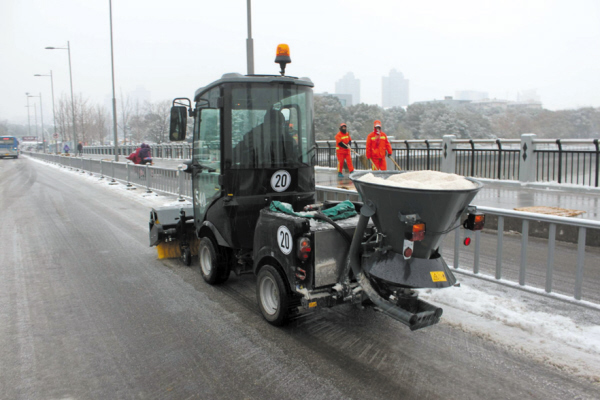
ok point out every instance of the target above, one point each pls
(178, 123)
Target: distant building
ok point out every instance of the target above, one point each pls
(528, 96)
(140, 95)
(489, 104)
(448, 100)
(348, 85)
(394, 90)
(470, 95)
(537, 105)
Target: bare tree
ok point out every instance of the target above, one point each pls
(157, 120)
(137, 124)
(98, 130)
(63, 119)
(125, 107)
(85, 118)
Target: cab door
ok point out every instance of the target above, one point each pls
(207, 157)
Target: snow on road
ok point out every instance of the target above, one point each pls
(557, 333)
(561, 334)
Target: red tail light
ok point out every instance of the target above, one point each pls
(417, 232)
(304, 248)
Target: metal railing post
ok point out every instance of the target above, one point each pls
(448, 154)
(560, 150)
(528, 160)
(597, 161)
(524, 242)
(472, 157)
(129, 185)
(550, 264)
(499, 159)
(148, 190)
(101, 169)
(180, 179)
(580, 262)
(112, 181)
(477, 252)
(499, 247)
(407, 155)
(428, 154)
(456, 247)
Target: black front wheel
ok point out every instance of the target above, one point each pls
(213, 264)
(273, 296)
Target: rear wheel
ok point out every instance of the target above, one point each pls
(273, 296)
(213, 264)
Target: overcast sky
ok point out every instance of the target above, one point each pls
(172, 48)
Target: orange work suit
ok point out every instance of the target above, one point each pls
(343, 154)
(377, 147)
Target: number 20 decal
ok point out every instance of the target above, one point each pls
(281, 180)
(284, 240)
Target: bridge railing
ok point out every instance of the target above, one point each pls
(562, 161)
(528, 159)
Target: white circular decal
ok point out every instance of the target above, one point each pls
(284, 240)
(281, 180)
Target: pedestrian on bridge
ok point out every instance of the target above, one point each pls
(378, 146)
(79, 149)
(343, 141)
(145, 154)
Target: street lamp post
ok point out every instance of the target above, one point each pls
(250, 41)
(114, 101)
(68, 48)
(53, 111)
(42, 117)
(28, 117)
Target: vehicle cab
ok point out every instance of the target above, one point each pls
(253, 142)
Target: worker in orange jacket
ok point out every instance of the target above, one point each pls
(343, 141)
(377, 147)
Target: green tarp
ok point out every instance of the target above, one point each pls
(343, 210)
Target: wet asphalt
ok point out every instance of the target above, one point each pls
(88, 312)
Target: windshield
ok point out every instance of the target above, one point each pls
(272, 126)
(7, 141)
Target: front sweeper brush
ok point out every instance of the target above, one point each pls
(172, 232)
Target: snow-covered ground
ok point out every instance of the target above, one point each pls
(558, 333)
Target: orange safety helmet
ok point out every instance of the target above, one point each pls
(377, 123)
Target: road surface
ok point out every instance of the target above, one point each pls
(88, 312)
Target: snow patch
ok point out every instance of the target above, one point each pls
(514, 322)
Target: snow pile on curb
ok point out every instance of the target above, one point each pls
(432, 180)
(524, 323)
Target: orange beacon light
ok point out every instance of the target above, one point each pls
(283, 57)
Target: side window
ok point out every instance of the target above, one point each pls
(207, 131)
(207, 144)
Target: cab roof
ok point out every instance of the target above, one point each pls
(239, 78)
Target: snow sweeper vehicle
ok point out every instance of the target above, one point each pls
(254, 209)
